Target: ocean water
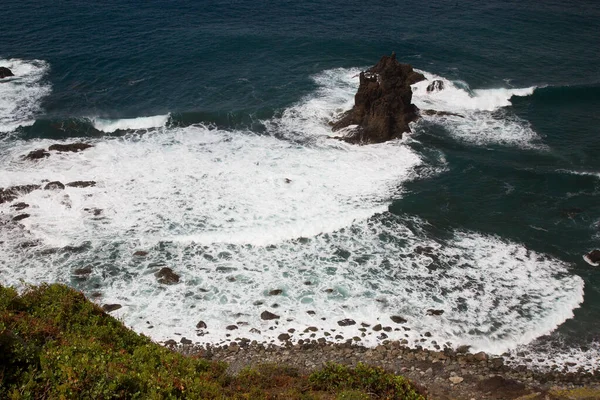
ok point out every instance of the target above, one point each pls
(213, 154)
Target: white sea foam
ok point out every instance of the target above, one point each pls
(21, 95)
(583, 173)
(237, 215)
(482, 118)
(112, 125)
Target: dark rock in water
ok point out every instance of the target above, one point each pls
(166, 276)
(311, 312)
(231, 327)
(72, 147)
(94, 211)
(440, 113)
(463, 349)
(397, 319)
(431, 311)
(201, 325)
(382, 106)
(346, 322)
(185, 341)
(170, 343)
(21, 217)
(435, 86)
(11, 193)
(83, 271)
(377, 328)
(20, 206)
(5, 73)
(275, 292)
(37, 155)
(593, 258)
(140, 253)
(283, 337)
(81, 184)
(56, 185)
(111, 307)
(267, 316)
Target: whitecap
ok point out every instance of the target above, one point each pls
(21, 95)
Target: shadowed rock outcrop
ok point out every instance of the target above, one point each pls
(72, 147)
(382, 106)
(5, 73)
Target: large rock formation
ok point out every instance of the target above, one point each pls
(382, 106)
(5, 73)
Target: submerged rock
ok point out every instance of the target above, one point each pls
(82, 184)
(166, 276)
(435, 86)
(11, 193)
(346, 322)
(20, 206)
(593, 258)
(397, 319)
(5, 73)
(36, 155)
(382, 106)
(431, 311)
(55, 185)
(72, 147)
(21, 217)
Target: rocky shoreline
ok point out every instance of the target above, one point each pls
(448, 374)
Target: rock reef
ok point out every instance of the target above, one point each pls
(382, 105)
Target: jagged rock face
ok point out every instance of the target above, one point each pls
(5, 73)
(382, 106)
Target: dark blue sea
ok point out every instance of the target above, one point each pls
(213, 156)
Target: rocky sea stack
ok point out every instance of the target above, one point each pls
(382, 106)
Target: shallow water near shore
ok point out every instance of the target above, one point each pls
(213, 156)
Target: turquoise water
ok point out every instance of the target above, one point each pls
(199, 111)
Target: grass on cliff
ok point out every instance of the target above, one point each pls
(55, 344)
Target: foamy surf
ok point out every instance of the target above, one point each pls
(238, 215)
(480, 117)
(21, 95)
(125, 124)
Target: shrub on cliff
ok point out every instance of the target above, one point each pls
(54, 344)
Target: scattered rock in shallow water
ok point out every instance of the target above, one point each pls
(267, 316)
(83, 271)
(275, 292)
(283, 337)
(94, 211)
(20, 206)
(346, 322)
(593, 258)
(82, 184)
(377, 328)
(111, 307)
(201, 325)
(21, 217)
(397, 319)
(231, 327)
(185, 341)
(435, 86)
(5, 72)
(36, 155)
(140, 253)
(72, 147)
(288, 180)
(170, 343)
(328, 290)
(440, 113)
(431, 311)
(167, 276)
(11, 193)
(96, 295)
(55, 185)
(311, 312)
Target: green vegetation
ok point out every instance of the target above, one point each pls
(55, 344)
